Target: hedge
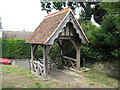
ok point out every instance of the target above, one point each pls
(17, 48)
(0, 48)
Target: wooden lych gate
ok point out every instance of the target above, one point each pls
(57, 27)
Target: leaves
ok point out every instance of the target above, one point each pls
(84, 7)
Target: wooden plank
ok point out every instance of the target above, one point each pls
(65, 37)
(41, 64)
(73, 65)
(69, 58)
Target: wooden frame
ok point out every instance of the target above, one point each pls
(68, 29)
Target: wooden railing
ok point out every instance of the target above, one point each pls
(70, 62)
(38, 67)
(67, 61)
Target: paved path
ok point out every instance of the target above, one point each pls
(70, 77)
(24, 64)
(62, 76)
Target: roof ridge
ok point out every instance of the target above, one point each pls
(16, 31)
(58, 12)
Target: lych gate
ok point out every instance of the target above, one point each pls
(56, 27)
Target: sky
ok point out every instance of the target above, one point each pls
(17, 15)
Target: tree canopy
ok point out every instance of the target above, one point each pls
(87, 8)
(104, 40)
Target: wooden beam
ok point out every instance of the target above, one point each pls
(65, 37)
(69, 58)
(33, 49)
(61, 45)
(77, 45)
(78, 57)
(32, 57)
(45, 49)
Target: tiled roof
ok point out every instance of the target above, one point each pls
(47, 27)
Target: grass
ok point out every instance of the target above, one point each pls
(100, 78)
(17, 77)
(21, 59)
(10, 87)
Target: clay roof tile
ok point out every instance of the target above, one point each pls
(47, 27)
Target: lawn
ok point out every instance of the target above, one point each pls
(17, 77)
(100, 79)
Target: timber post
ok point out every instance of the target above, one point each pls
(32, 57)
(77, 47)
(45, 49)
(33, 48)
(61, 45)
(78, 57)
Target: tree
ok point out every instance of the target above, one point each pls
(86, 8)
(113, 9)
(106, 38)
(0, 23)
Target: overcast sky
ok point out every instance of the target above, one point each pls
(18, 15)
(21, 14)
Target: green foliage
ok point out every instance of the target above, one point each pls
(103, 41)
(55, 50)
(39, 52)
(113, 8)
(111, 27)
(116, 53)
(54, 55)
(98, 13)
(86, 10)
(0, 24)
(90, 54)
(106, 38)
(87, 51)
(0, 47)
(88, 28)
(68, 50)
(17, 48)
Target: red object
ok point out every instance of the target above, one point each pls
(5, 61)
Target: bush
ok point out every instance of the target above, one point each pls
(17, 48)
(55, 50)
(0, 47)
(38, 52)
(116, 53)
(89, 53)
